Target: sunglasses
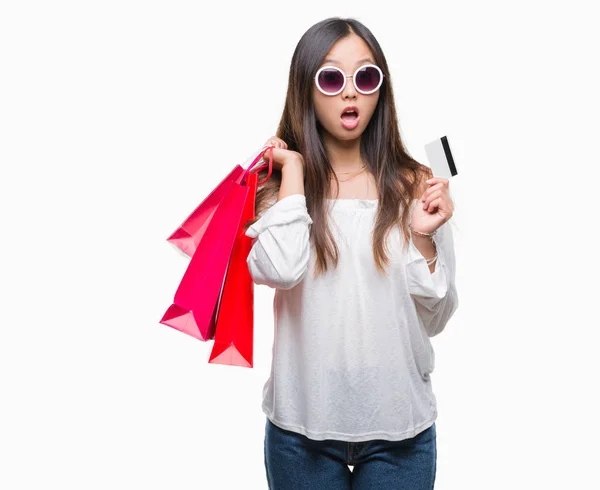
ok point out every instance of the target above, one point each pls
(331, 80)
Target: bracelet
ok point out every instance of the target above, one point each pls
(422, 234)
(430, 235)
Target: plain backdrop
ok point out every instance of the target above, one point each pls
(118, 118)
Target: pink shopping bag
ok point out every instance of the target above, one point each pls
(188, 235)
(190, 232)
(196, 303)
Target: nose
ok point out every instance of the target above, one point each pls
(349, 91)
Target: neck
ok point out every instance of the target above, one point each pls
(343, 155)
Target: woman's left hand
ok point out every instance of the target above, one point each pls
(434, 207)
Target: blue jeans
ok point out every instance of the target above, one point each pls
(295, 462)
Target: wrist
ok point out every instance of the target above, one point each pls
(427, 248)
(422, 234)
(293, 164)
(424, 241)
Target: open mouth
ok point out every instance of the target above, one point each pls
(350, 117)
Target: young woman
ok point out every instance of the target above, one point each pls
(353, 234)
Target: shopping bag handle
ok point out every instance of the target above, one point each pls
(256, 160)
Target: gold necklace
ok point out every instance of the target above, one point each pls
(360, 172)
(367, 188)
(348, 172)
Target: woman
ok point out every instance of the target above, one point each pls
(352, 233)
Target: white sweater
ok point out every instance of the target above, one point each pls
(351, 351)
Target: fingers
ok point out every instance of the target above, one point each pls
(431, 198)
(278, 155)
(436, 195)
(281, 154)
(433, 205)
(435, 180)
(431, 189)
(437, 186)
(438, 198)
(276, 142)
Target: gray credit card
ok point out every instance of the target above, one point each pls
(440, 158)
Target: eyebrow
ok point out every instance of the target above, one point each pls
(331, 60)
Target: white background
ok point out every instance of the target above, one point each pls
(118, 118)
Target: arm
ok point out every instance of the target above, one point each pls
(434, 293)
(426, 246)
(281, 250)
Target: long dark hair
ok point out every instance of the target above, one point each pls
(400, 178)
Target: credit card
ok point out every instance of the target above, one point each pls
(440, 158)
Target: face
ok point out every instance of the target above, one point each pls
(348, 54)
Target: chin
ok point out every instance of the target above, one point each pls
(349, 135)
(345, 135)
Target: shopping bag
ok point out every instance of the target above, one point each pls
(234, 335)
(195, 306)
(188, 235)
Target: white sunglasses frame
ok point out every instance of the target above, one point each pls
(353, 77)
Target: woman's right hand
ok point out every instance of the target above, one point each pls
(281, 155)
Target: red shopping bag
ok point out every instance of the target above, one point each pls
(234, 336)
(188, 235)
(195, 306)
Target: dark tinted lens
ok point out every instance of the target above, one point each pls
(331, 80)
(367, 79)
